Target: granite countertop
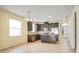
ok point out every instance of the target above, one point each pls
(32, 33)
(35, 33)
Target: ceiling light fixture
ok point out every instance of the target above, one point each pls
(29, 18)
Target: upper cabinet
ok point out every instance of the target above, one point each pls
(46, 25)
(53, 25)
(39, 27)
(29, 26)
(49, 26)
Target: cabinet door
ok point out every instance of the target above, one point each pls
(46, 24)
(38, 27)
(29, 26)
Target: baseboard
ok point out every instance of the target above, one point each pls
(73, 49)
(12, 46)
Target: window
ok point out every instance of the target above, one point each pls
(14, 27)
(55, 30)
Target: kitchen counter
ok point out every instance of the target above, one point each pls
(36, 33)
(44, 36)
(32, 33)
(33, 36)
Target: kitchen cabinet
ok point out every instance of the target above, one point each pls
(32, 38)
(29, 26)
(39, 27)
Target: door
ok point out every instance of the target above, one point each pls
(75, 30)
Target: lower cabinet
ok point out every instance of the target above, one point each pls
(43, 38)
(32, 38)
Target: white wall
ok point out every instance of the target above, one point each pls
(77, 12)
(5, 40)
(72, 29)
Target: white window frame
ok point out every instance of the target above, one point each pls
(14, 28)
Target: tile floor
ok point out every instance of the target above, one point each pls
(39, 47)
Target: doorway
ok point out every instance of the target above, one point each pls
(75, 30)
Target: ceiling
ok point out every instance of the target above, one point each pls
(40, 12)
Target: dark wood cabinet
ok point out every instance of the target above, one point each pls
(29, 26)
(46, 37)
(32, 38)
(39, 27)
(46, 24)
(53, 25)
